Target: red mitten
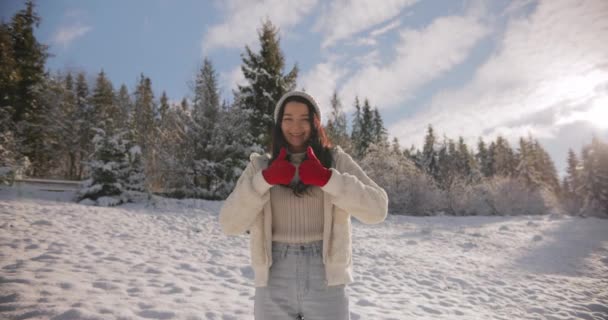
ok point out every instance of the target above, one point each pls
(312, 172)
(280, 171)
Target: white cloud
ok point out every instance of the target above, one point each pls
(421, 56)
(67, 34)
(71, 29)
(230, 80)
(345, 18)
(551, 62)
(596, 115)
(385, 29)
(320, 83)
(244, 18)
(370, 40)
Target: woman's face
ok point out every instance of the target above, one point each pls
(296, 126)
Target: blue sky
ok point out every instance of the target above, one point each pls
(470, 68)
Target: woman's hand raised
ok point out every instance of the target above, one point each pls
(312, 172)
(280, 171)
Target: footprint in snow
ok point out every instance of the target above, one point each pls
(532, 224)
(365, 303)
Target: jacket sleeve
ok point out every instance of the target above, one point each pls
(245, 202)
(353, 191)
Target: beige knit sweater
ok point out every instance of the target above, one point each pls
(348, 192)
(296, 219)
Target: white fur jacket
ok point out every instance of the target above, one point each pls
(348, 192)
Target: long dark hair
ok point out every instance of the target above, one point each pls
(318, 140)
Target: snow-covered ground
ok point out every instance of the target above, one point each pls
(167, 259)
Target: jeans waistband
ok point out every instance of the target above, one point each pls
(314, 248)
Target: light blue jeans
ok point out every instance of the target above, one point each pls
(297, 288)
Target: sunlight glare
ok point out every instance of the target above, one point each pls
(598, 114)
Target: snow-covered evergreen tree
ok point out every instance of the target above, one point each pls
(526, 168)
(22, 80)
(12, 162)
(234, 143)
(86, 133)
(144, 115)
(428, 161)
(503, 158)
(143, 129)
(106, 113)
(483, 158)
(116, 170)
(125, 106)
(104, 186)
(163, 107)
(61, 135)
(380, 133)
(176, 156)
(206, 107)
(336, 127)
(266, 82)
(594, 178)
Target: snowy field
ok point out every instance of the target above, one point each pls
(167, 259)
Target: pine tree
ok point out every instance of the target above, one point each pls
(503, 158)
(134, 177)
(143, 129)
(356, 133)
(107, 166)
(446, 163)
(143, 115)
(396, 146)
(184, 105)
(367, 127)
(590, 179)
(483, 158)
(164, 105)
(526, 169)
(125, 107)
(572, 179)
(594, 178)
(11, 161)
(105, 110)
(380, 132)
(60, 126)
(236, 146)
(27, 56)
(490, 166)
(465, 161)
(175, 153)
(429, 159)
(8, 72)
(72, 128)
(266, 82)
(337, 126)
(206, 108)
(22, 83)
(85, 129)
(366, 130)
(545, 167)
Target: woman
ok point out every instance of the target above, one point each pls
(297, 206)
